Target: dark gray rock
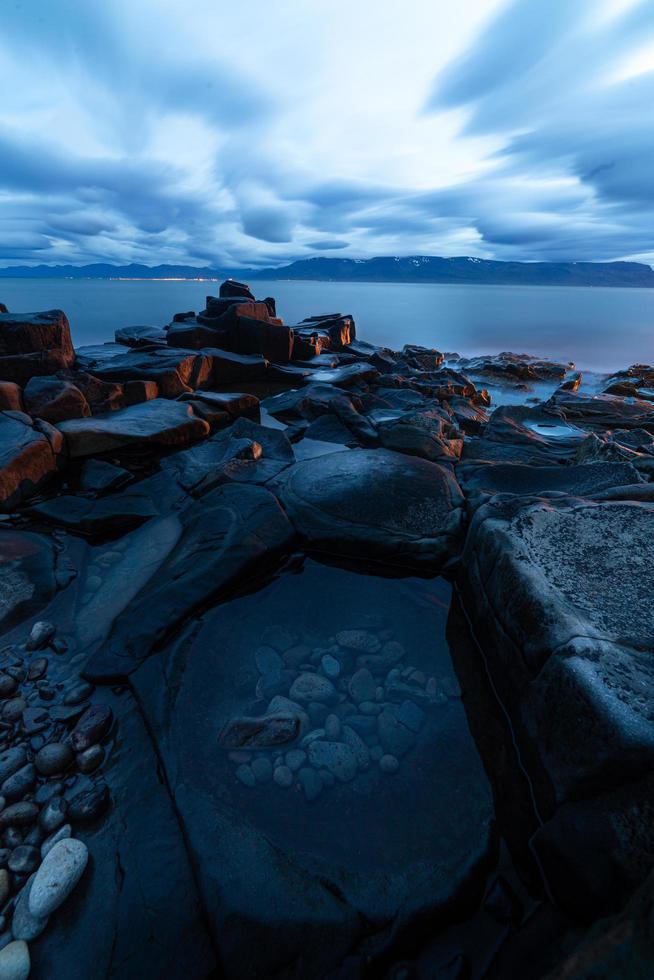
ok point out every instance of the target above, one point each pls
(27, 458)
(34, 344)
(375, 504)
(156, 423)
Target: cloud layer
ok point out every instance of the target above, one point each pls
(180, 132)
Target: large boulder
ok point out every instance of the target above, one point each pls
(173, 371)
(232, 287)
(11, 397)
(55, 399)
(559, 594)
(376, 504)
(580, 480)
(156, 423)
(27, 458)
(34, 344)
(603, 411)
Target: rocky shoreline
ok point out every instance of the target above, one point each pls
(317, 664)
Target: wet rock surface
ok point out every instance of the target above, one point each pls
(234, 737)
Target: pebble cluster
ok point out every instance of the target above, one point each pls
(342, 709)
(50, 754)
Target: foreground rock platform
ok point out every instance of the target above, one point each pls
(320, 659)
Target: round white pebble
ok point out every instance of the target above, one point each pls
(60, 870)
(15, 961)
(283, 776)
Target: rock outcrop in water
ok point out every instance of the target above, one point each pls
(233, 741)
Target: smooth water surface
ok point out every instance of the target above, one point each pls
(598, 328)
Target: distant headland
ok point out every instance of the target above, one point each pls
(466, 270)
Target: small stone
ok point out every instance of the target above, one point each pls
(295, 759)
(15, 961)
(38, 668)
(332, 728)
(47, 791)
(7, 685)
(17, 785)
(240, 756)
(12, 838)
(411, 715)
(53, 758)
(358, 640)
(89, 760)
(11, 760)
(62, 834)
(79, 693)
(394, 737)
(40, 635)
(262, 769)
(35, 720)
(24, 925)
(312, 687)
(283, 776)
(53, 814)
(331, 668)
(337, 757)
(245, 775)
(370, 708)
(92, 726)
(24, 860)
(5, 886)
(389, 764)
(61, 869)
(358, 746)
(311, 783)
(89, 804)
(13, 710)
(362, 686)
(277, 682)
(264, 731)
(268, 660)
(363, 724)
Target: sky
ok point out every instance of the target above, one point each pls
(256, 132)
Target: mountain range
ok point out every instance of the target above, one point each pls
(410, 269)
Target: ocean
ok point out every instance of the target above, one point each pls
(599, 329)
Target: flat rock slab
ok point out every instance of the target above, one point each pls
(604, 411)
(110, 516)
(521, 479)
(302, 870)
(158, 423)
(174, 371)
(376, 504)
(27, 458)
(232, 533)
(561, 593)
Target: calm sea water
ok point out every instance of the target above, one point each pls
(599, 329)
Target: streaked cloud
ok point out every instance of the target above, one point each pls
(257, 133)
